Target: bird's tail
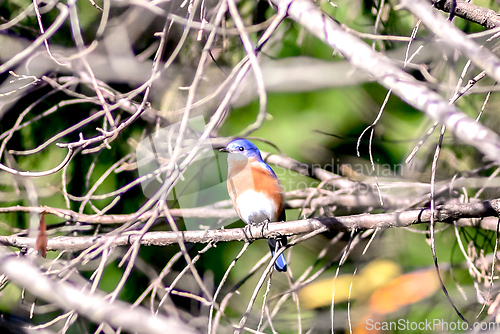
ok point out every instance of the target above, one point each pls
(280, 264)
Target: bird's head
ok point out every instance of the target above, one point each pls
(242, 146)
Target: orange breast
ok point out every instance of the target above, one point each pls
(253, 176)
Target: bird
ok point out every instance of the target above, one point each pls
(255, 191)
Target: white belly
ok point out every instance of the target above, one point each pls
(256, 207)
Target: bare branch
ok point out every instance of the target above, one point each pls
(454, 37)
(486, 17)
(64, 12)
(446, 213)
(44, 173)
(388, 74)
(93, 306)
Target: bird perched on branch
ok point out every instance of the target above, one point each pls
(255, 190)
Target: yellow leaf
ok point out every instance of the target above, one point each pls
(376, 274)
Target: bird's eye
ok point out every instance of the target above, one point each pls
(241, 148)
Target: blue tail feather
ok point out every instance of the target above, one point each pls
(280, 264)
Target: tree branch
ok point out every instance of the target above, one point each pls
(454, 37)
(486, 17)
(93, 306)
(221, 210)
(445, 213)
(362, 56)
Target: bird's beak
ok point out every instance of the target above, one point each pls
(224, 150)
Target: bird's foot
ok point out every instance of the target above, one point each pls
(265, 226)
(247, 231)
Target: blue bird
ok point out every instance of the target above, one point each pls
(255, 190)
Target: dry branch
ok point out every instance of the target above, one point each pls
(486, 17)
(95, 306)
(446, 213)
(362, 56)
(454, 37)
